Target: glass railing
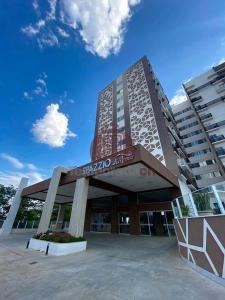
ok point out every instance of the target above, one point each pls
(216, 138)
(204, 202)
(220, 151)
(207, 116)
(196, 99)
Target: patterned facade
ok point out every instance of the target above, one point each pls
(103, 138)
(142, 120)
(133, 110)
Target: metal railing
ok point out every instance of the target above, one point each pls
(25, 224)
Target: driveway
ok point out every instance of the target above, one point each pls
(114, 267)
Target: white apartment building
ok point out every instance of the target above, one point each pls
(201, 122)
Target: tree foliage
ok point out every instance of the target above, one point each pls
(30, 210)
(6, 193)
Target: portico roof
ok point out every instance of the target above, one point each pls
(129, 171)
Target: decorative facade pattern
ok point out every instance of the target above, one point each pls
(202, 242)
(103, 140)
(142, 120)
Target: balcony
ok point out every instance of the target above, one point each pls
(205, 117)
(215, 125)
(192, 91)
(196, 99)
(220, 151)
(216, 138)
(212, 126)
(200, 107)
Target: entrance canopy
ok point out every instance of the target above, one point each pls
(126, 172)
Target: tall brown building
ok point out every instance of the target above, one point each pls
(133, 109)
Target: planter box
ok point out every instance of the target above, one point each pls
(57, 249)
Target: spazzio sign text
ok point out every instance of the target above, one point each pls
(106, 163)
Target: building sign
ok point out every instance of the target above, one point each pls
(102, 165)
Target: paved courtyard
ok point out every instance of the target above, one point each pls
(113, 267)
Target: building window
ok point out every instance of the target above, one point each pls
(220, 151)
(189, 125)
(191, 134)
(195, 143)
(186, 118)
(198, 153)
(182, 111)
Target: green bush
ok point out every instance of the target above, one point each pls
(185, 210)
(202, 201)
(58, 237)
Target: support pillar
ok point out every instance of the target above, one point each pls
(60, 217)
(134, 215)
(50, 200)
(114, 216)
(9, 221)
(76, 227)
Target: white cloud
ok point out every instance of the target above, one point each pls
(33, 30)
(32, 167)
(100, 23)
(13, 178)
(35, 5)
(40, 88)
(17, 163)
(47, 39)
(52, 129)
(13, 160)
(222, 60)
(62, 32)
(65, 98)
(27, 95)
(179, 97)
(52, 9)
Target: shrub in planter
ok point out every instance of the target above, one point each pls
(58, 237)
(185, 210)
(202, 201)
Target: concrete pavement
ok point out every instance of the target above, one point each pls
(114, 267)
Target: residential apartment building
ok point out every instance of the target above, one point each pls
(201, 123)
(133, 109)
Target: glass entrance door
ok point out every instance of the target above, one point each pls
(124, 223)
(157, 223)
(101, 222)
(146, 219)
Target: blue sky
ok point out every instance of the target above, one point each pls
(56, 55)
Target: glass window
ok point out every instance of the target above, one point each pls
(143, 218)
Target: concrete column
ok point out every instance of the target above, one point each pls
(60, 217)
(134, 215)
(114, 216)
(76, 227)
(9, 221)
(50, 200)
